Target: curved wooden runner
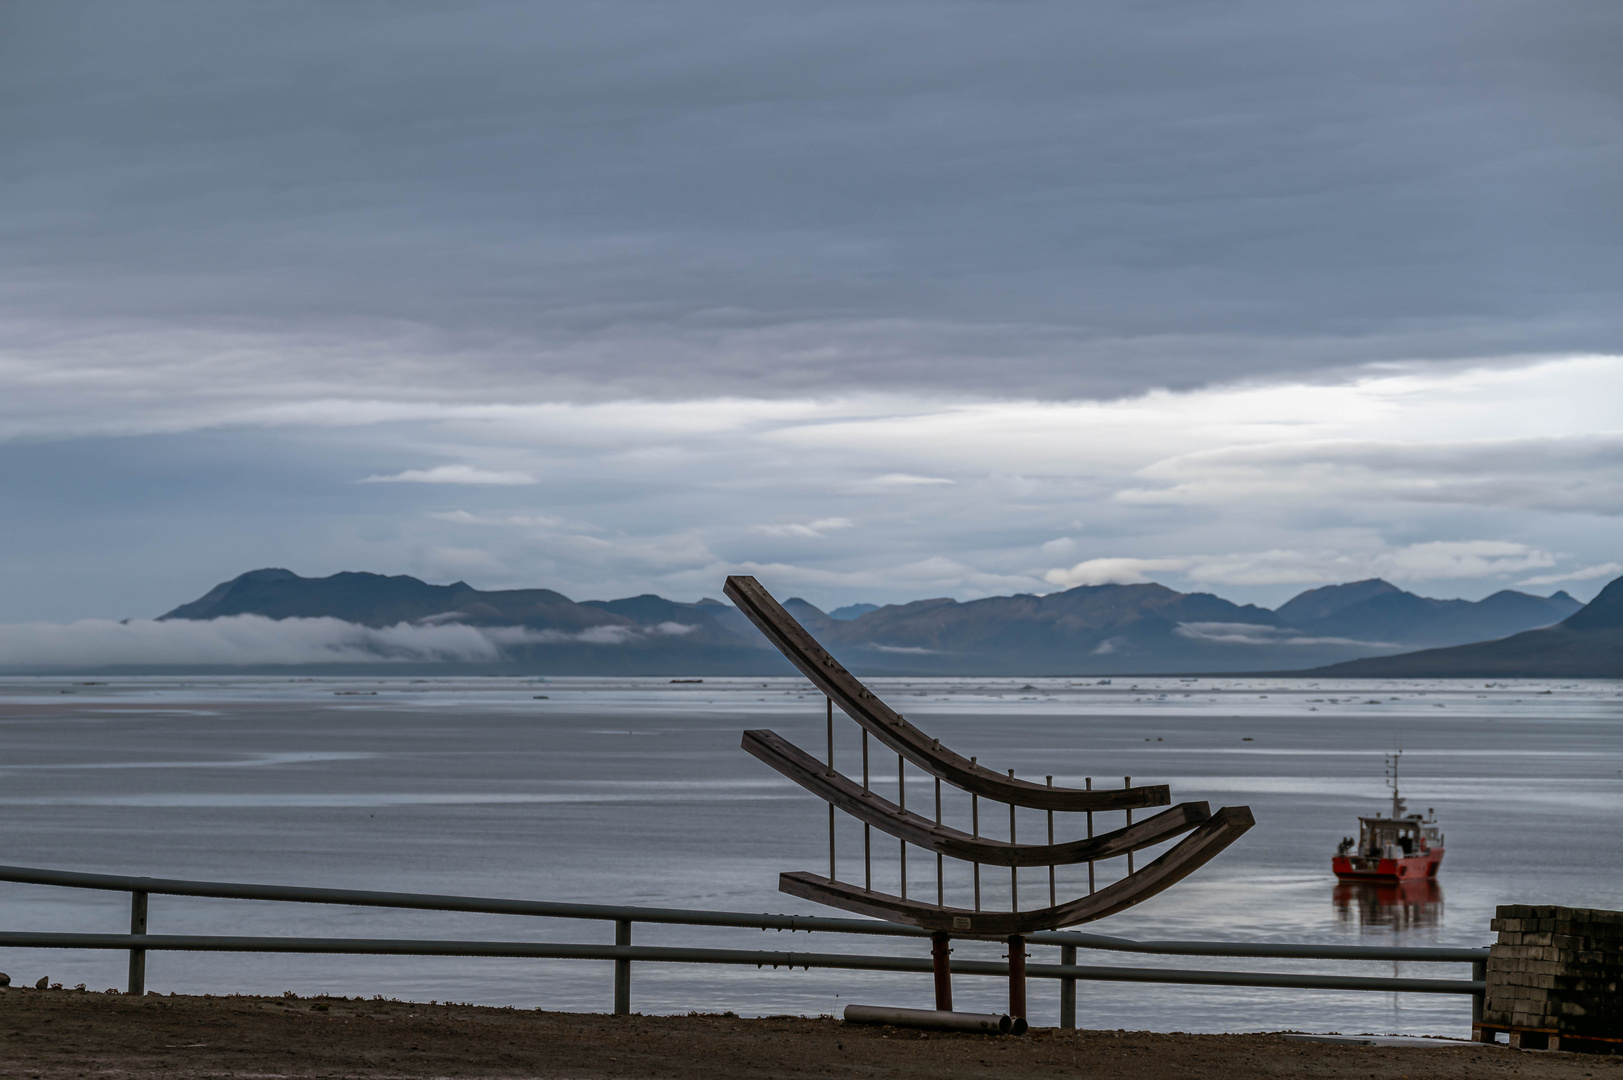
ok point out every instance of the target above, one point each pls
(890, 728)
(1185, 857)
(868, 807)
(1208, 833)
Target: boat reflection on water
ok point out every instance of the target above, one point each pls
(1399, 905)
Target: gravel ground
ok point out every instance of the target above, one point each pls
(63, 1033)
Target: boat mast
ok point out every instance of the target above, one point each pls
(1392, 775)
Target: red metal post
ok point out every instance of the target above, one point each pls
(940, 951)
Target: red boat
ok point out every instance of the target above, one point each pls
(1403, 847)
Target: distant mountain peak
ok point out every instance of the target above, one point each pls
(848, 612)
(358, 596)
(1605, 612)
(269, 573)
(1326, 600)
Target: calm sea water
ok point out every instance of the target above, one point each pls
(636, 791)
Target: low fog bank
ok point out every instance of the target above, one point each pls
(257, 645)
(253, 640)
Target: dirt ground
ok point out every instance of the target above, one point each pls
(57, 1033)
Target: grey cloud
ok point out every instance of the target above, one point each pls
(454, 474)
(502, 200)
(1579, 473)
(1249, 634)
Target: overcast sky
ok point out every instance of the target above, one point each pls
(878, 301)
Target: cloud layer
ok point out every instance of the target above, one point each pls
(495, 201)
(253, 639)
(639, 497)
(454, 474)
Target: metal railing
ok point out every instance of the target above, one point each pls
(138, 942)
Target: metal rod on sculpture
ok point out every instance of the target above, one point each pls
(940, 874)
(1052, 879)
(867, 830)
(975, 829)
(1127, 781)
(1014, 871)
(831, 874)
(1090, 837)
(901, 804)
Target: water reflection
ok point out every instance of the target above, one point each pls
(1399, 905)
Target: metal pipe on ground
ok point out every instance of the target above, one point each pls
(936, 1019)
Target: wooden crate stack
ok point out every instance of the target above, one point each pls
(1555, 978)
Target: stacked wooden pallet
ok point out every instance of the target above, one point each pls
(1555, 979)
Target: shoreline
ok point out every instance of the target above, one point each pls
(52, 1034)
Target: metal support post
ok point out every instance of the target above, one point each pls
(1090, 837)
(138, 957)
(1017, 976)
(941, 965)
(1067, 989)
(1014, 871)
(832, 876)
(622, 970)
(901, 803)
(975, 830)
(1479, 972)
(867, 830)
(1127, 781)
(1053, 881)
(940, 873)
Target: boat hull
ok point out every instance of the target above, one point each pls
(1374, 868)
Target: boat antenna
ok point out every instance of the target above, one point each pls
(1392, 759)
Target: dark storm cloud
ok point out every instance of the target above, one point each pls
(494, 200)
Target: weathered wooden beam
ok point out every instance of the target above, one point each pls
(870, 808)
(890, 728)
(1185, 857)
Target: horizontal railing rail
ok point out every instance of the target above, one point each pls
(545, 950)
(138, 942)
(229, 890)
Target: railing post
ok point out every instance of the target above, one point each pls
(1017, 976)
(1479, 972)
(622, 970)
(138, 957)
(1067, 989)
(941, 966)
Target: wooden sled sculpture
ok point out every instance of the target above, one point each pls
(1207, 833)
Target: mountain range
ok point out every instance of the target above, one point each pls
(1587, 644)
(1098, 629)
